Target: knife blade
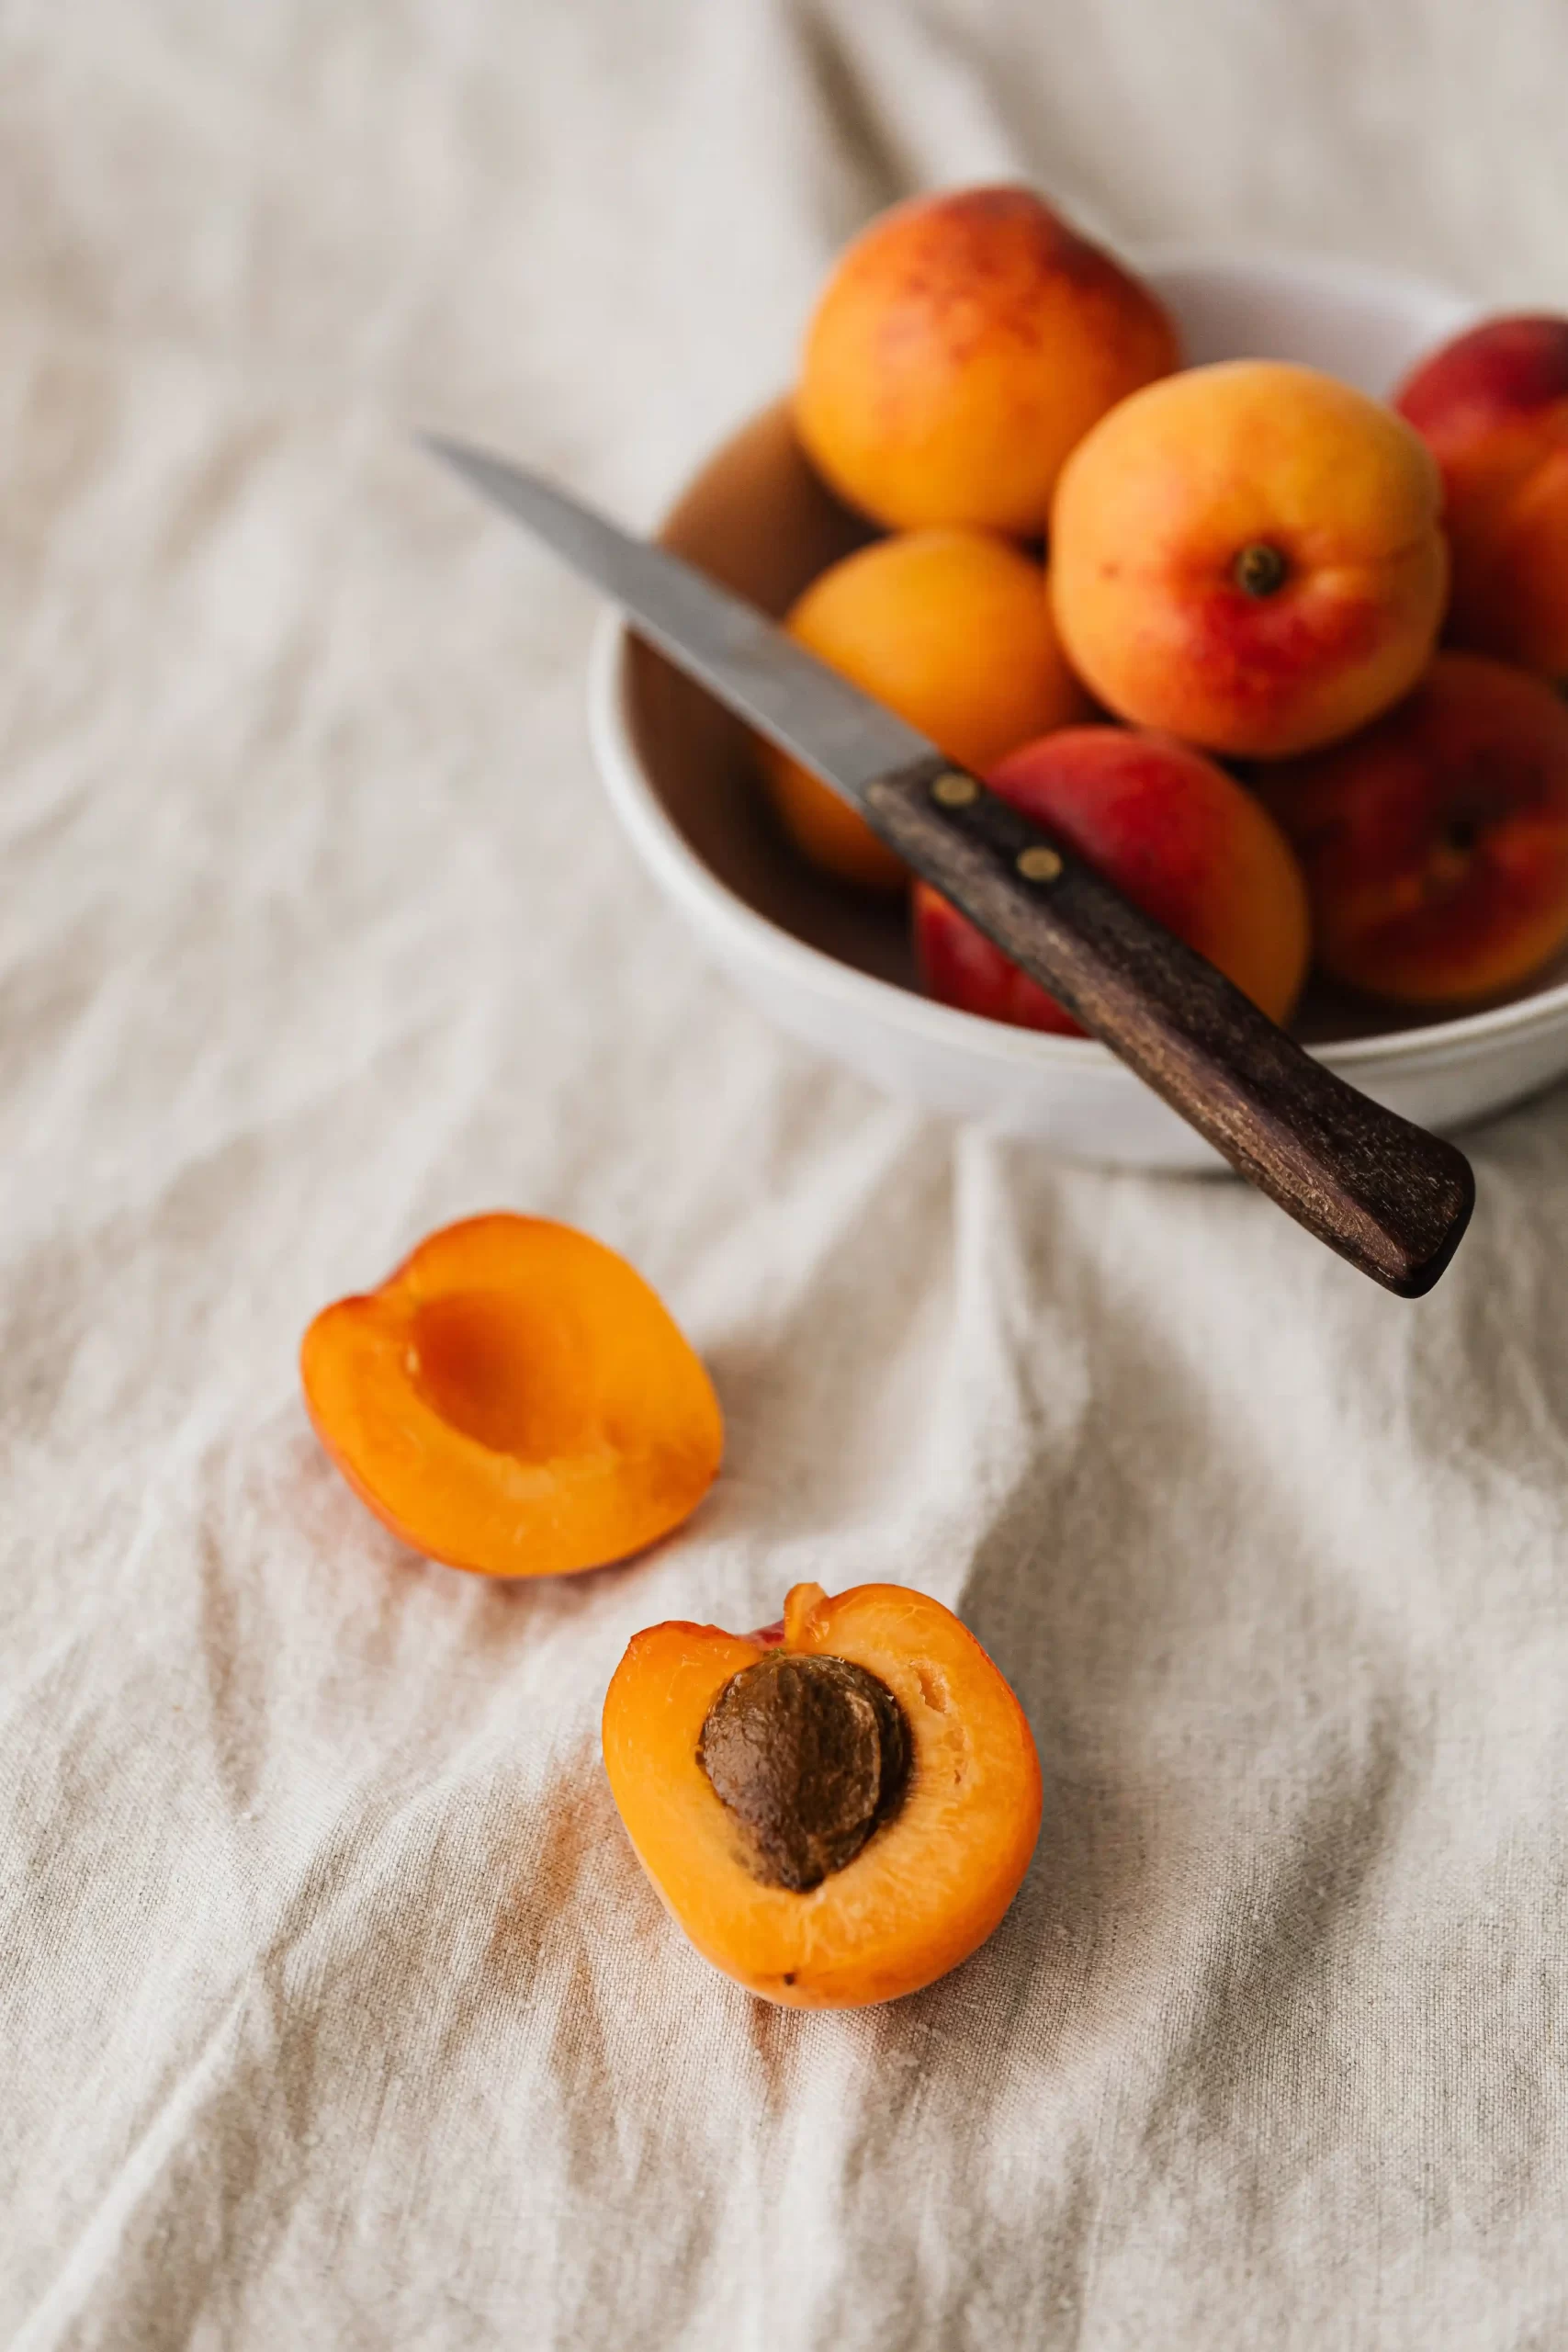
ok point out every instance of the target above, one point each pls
(1389, 1197)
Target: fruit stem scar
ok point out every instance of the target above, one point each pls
(1259, 568)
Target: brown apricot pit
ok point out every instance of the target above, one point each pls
(811, 1755)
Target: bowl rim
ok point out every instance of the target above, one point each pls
(1306, 266)
(668, 855)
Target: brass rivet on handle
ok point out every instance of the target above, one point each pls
(954, 790)
(1039, 863)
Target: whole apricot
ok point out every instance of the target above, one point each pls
(836, 1810)
(1435, 845)
(963, 343)
(953, 631)
(1249, 555)
(1179, 836)
(1492, 407)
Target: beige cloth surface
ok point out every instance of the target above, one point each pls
(336, 2012)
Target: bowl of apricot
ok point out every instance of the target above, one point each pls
(1250, 576)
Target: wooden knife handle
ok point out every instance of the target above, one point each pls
(1384, 1193)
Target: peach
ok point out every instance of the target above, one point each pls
(1492, 407)
(1182, 838)
(1249, 555)
(953, 631)
(1436, 844)
(962, 345)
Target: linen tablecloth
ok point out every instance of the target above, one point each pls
(336, 2011)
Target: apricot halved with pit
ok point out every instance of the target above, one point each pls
(836, 1811)
(514, 1400)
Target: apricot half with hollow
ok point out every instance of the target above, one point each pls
(836, 1811)
(514, 1400)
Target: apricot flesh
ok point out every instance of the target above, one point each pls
(514, 1400)
(1249, 555)
(953, 631)
(1435, 845)
(962, 345)
(1492, 407)
(1179, 836)
(936, 1873)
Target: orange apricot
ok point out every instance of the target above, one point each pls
(835, 1811)
(962, 345)
(952, 629)
(1179, 836)
(1249, 555)
(514, 1400)
(1492, 407)
(1435, 844)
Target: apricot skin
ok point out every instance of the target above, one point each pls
(930, 1885)
(1492, 407)
(963, 343)
(1435, 844)
(1182, 838)
(514, 1400)
(1162, 507)
(953, 631)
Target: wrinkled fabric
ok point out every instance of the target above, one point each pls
(336, 2012)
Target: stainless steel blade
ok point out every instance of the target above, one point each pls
(717, 639)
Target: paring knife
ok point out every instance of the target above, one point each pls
(1384, 1193)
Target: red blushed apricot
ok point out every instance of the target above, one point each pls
(1492, 407)
(1249, 555)
(514, 1400)
(953, 631)
(1435, 845)
(1182, 838)
(835, 1811)
(962, 345)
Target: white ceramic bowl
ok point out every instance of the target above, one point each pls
(834, 968)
